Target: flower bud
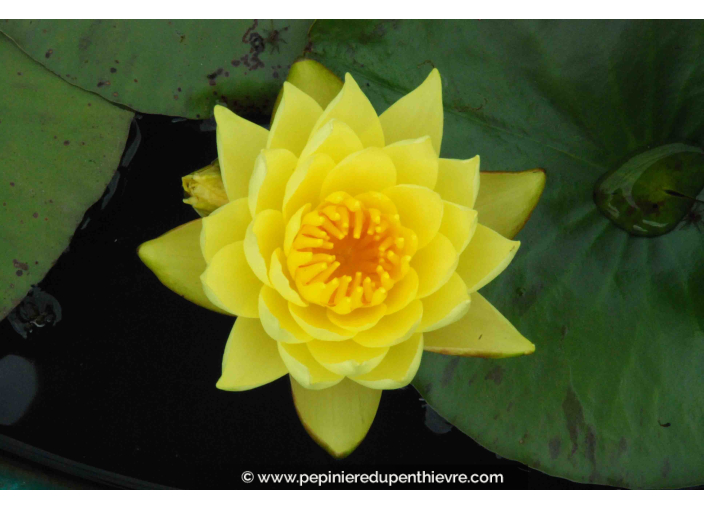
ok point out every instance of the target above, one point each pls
(204, 189)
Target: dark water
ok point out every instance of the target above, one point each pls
(125, 382)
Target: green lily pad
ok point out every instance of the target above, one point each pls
(614, 392)
(60, 146)
(180, 68)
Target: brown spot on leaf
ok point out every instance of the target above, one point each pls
(665, 425)
(66, 142)
(449, 371)
(20, 265)
(35, 215)
(19, 272)
(496, 374)
(49, 53)
(554, 447)
(113, 70)
(665, 468)
(574, 416)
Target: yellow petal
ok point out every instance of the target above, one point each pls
(337, 418)
(353, 108)
(336, 139)
(239, 143)
(367, 170)
(293, 226)
(251, 358)
(304, 185)
(264, 234)
(458, 224)
(304, 369)
(360, 319)
(393, 329)
(402, 293)
(418, 113)
(230, 283)
(280, 278)
(272, 170)
(176, 259)
(483, 332)
(486, 256)
(458, 180)
(314, 79)
(447, 305)
(420, 208)
(295, 118)
(314, 321)
(416, 161)
(346, 358)
(377, 200)
(276, 318)
(224, 226)
(434, 264)
(506, 199)
(398, 368)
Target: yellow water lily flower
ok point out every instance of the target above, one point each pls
(347, 248)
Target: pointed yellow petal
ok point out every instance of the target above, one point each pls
(304, 185)
(230, 283)
(420, 208)
(483, 332)
(224, 226)
(304, 369)
(418, 113)
(447, 305)
(398, 368)
(434, 264)
(251, 358)
(402, 293)
(506, 199)
(458, 224)
(336, 139)
(280, 279)
(368, 170)
(176, 259)
(486, 256)
(458, 180)
(264, 234)
(346, 358)
(416, 161)
(272, 170)
(353, 108)
(295, 118)
(239, 143)
(314, 321)
(337, 418)
(393, 329)
(276, 318)
(314, 79)
(360, 319)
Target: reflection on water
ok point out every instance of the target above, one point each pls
(18, 387)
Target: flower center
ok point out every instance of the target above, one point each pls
(348, 254)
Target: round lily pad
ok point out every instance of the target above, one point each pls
(614, 393)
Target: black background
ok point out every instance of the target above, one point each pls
(126, 380)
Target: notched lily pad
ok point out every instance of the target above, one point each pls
(180, 68)
(60, 147)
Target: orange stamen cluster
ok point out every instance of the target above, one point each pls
(347, 255)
